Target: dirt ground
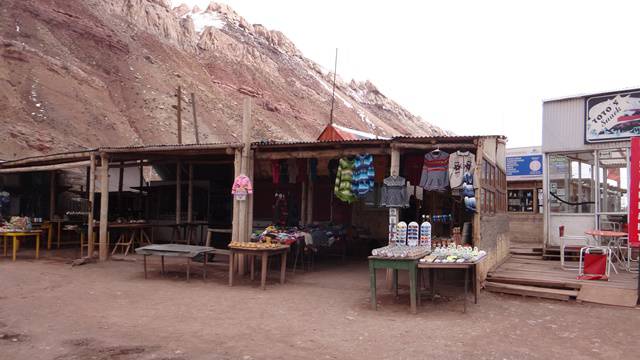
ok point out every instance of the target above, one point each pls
(49, 310)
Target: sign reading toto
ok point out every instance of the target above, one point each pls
(612, 117)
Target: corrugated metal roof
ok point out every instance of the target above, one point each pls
(168, 147)
(69, 156)
(577, 96)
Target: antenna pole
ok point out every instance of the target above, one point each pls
(333, 94)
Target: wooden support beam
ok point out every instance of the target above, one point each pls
(140, 185)
(104, 206)
(303, 203)
(62, 166)
(250, 172)
(310, 190)
(52, 195)
(395, 171)
(178, 192)
(92, 195)
(190, 195)
(120, 185)
(237, 164)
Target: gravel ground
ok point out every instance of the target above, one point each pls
(49, 310)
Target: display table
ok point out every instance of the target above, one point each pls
(263, 254)
(407, 263)
(131, 232)
(175, 250)
(16, 235)
(468, 267)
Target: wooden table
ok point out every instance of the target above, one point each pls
(408, 263)
(175, 250)
(264, 254)
(131, 233)
(466, 266)
(16, 235)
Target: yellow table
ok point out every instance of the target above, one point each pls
(16, 242)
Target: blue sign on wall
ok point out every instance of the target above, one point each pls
(525, 166)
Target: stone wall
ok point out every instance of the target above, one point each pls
(494, 239)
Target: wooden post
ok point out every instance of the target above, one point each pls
(104, 206)
(120, 183)
(92, 193)
(141, 184)
(310, 189)
(52, 195)
(195, 118)
(249, 200)
(395, 171)
(179, 114)
(190, 196)
(244, 208)
(178, 193)
(237, 164)
(303, 204)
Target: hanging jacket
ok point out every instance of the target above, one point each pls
(343, 184)
(435, 171)
(394, 192)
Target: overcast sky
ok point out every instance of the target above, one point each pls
(473, 67)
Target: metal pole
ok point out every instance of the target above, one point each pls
(195, 118)
(333, 94)
(179, 114)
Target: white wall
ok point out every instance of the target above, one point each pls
(563, 127)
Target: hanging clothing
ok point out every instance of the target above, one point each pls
(394, 192)
(412, 168)
(435, 171)
(380, 166)
(284, 172)
(460, 164)
(364, 174)
(275, 171)
(280, 210)
(343, 184)
(242, 185)
(292, 168)
(313, 169)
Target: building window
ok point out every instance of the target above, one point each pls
(572, 183)
(493, 197)
(521, 200)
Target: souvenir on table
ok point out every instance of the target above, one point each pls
(401, 233)
(413, 236)
(425, 234)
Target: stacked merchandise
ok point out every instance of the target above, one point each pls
(272, 234)
(17, 223)
(454, 254)
(256, 245)
(409, 241)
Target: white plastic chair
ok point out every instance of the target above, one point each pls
(574, 243)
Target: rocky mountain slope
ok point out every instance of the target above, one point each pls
(85, 73)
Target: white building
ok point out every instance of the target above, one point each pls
(585, 142)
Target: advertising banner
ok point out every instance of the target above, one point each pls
(612, 117)
(634, 188)
(524, 167)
